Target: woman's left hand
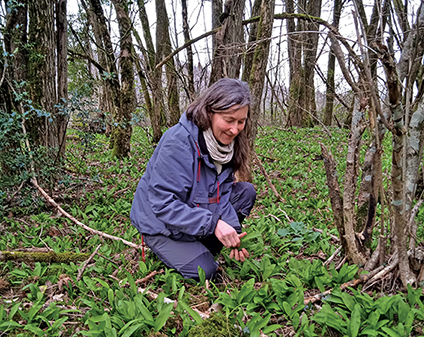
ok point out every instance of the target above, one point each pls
(239, 255)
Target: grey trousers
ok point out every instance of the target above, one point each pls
(186, 257)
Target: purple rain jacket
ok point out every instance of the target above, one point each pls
(180, 195)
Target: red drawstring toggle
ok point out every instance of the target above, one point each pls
(217, 194)
(143, 254)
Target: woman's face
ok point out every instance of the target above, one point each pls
(228, 124)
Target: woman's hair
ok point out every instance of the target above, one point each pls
(219, 97)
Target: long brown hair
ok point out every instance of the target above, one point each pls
(219, 97)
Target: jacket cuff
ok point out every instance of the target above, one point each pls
(214, 222)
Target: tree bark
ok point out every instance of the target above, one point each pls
(352, 167)
(329, 103)
(42, 74)
(110, 75)
(250, 48)
(163, 48)
(62, 71)
(227, 58)
(217, 6)
(186, 31)
(260, 61)
(153, 75)
(121, 133)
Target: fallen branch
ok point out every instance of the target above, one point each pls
(271, 185)
(148, 277)
(331, 258)
(50, 257)
(79, 223)
(84, 266)
(60, 209)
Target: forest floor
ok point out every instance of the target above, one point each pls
(291, 237)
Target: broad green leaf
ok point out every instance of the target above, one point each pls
(111, 297)
(390, 332)
(196, 317)
(355, 321)
(163, 316)
(271, 328)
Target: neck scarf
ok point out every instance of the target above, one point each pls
(221, 154)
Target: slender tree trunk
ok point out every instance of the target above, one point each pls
(253, 32)
(164, 48)
(122, 118)
(186, 31)
(217, 6)
(154, 76)
(62, 71)
(260, 61)
(295, 56)
(111, 78)
(104, 93)
(329, 103)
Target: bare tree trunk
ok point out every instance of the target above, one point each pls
(186, 31)
(352, 167)
(294, 42)
(113, 87)
(154, 76)
(217, 6)
(253, 32)
(62, 71)
(121, 133)
(260, 61)
(163, 48)
(42, 73)
(230, 41)
(329, 103)
(104, 94)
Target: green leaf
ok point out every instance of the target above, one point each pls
(271, 328)
(163, 316)
(7, 325)
(196, 317)
(390, 332)
(131, 330)
(348, 301)
(355, 321)
(111, 297)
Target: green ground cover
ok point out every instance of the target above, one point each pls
(264, 294)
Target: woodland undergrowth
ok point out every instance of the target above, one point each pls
(294, 256)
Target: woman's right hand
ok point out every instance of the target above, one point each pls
(227, 235)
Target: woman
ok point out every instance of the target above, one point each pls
(187, 205)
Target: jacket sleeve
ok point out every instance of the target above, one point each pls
(169, 188)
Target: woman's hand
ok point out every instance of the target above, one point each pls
(227, 235)
(239, 255)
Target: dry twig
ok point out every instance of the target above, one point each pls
(271, 185)
(331, 258)
(84, 266)
(148, 277)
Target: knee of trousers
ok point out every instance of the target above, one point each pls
(248, 196)
(207, 263)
